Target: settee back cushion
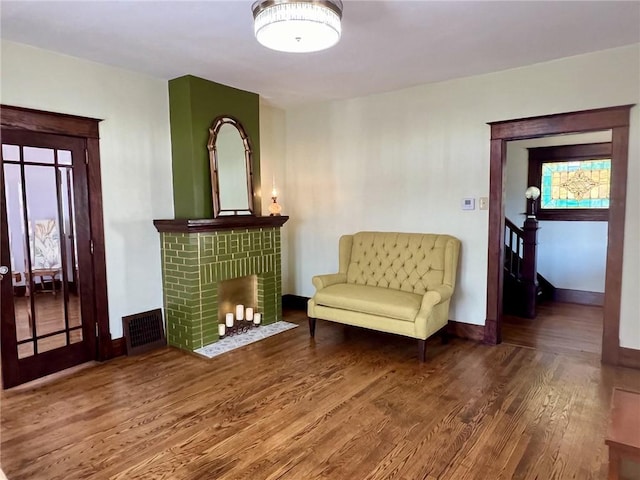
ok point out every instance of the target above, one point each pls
(412, 262)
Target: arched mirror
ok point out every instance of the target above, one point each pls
(231, 172)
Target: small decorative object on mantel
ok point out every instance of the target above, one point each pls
(274, 208)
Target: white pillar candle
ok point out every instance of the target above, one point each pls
(222, 328)
(240, 312)
(229, 320)
(257, 318)
(249, 314)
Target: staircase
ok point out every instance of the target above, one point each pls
(523, 286)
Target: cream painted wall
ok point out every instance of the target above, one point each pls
(272, 169)
(404, 160)
(571, 255)
(135, 151)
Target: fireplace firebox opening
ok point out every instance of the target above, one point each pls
(237, 291)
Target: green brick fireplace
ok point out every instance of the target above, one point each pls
(197, 255)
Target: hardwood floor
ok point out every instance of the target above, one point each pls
(558, 327)
(352, 404)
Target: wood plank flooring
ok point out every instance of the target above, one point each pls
(352, 404)
(558, 327)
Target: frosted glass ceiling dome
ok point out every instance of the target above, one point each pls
(297, 25)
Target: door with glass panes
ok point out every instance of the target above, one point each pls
(46, 297)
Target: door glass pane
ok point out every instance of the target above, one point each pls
(75, 336)
(38, 155)
(51, 343)
(71, 255)
(10, 152)
(25, 350)
(49, 302)
(64, 157)
(15, 226)
(24, 317)
(45, 252)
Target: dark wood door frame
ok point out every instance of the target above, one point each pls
(87, 128)
(615, 119)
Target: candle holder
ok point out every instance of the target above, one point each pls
(274, 208)
(241, 326)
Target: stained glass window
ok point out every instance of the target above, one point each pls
(575, 184)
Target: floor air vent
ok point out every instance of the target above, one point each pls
(143, 331)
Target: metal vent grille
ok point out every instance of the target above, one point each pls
(143, 331)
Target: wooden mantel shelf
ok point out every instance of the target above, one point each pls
(221, 223)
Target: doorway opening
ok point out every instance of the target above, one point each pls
(615, 119)
(568, 226)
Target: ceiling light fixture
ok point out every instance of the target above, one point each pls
(297, 25)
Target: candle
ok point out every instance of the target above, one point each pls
(274, 192)
(257, 317)
(229, 320)
(249, 314)
(240, 312)
(222, 328)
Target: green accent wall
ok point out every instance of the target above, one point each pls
(194, 103)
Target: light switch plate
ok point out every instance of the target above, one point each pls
(483, 203)
(468, 204)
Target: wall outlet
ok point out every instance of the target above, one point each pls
(484, 203)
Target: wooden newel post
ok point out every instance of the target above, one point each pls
(529, 265)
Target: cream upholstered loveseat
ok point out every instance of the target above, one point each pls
(392, 282)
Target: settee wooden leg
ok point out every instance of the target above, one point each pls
(422, 350)
(312, 327)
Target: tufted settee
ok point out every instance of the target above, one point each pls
(398, 283)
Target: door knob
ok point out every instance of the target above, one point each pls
(3, 271)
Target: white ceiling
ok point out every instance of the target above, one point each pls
(386, 45)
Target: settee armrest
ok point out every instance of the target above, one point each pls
(433, 314)
(435, 296)
(322, 281)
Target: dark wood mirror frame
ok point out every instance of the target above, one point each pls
(219, 209)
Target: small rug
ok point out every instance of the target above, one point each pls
(236, 341)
